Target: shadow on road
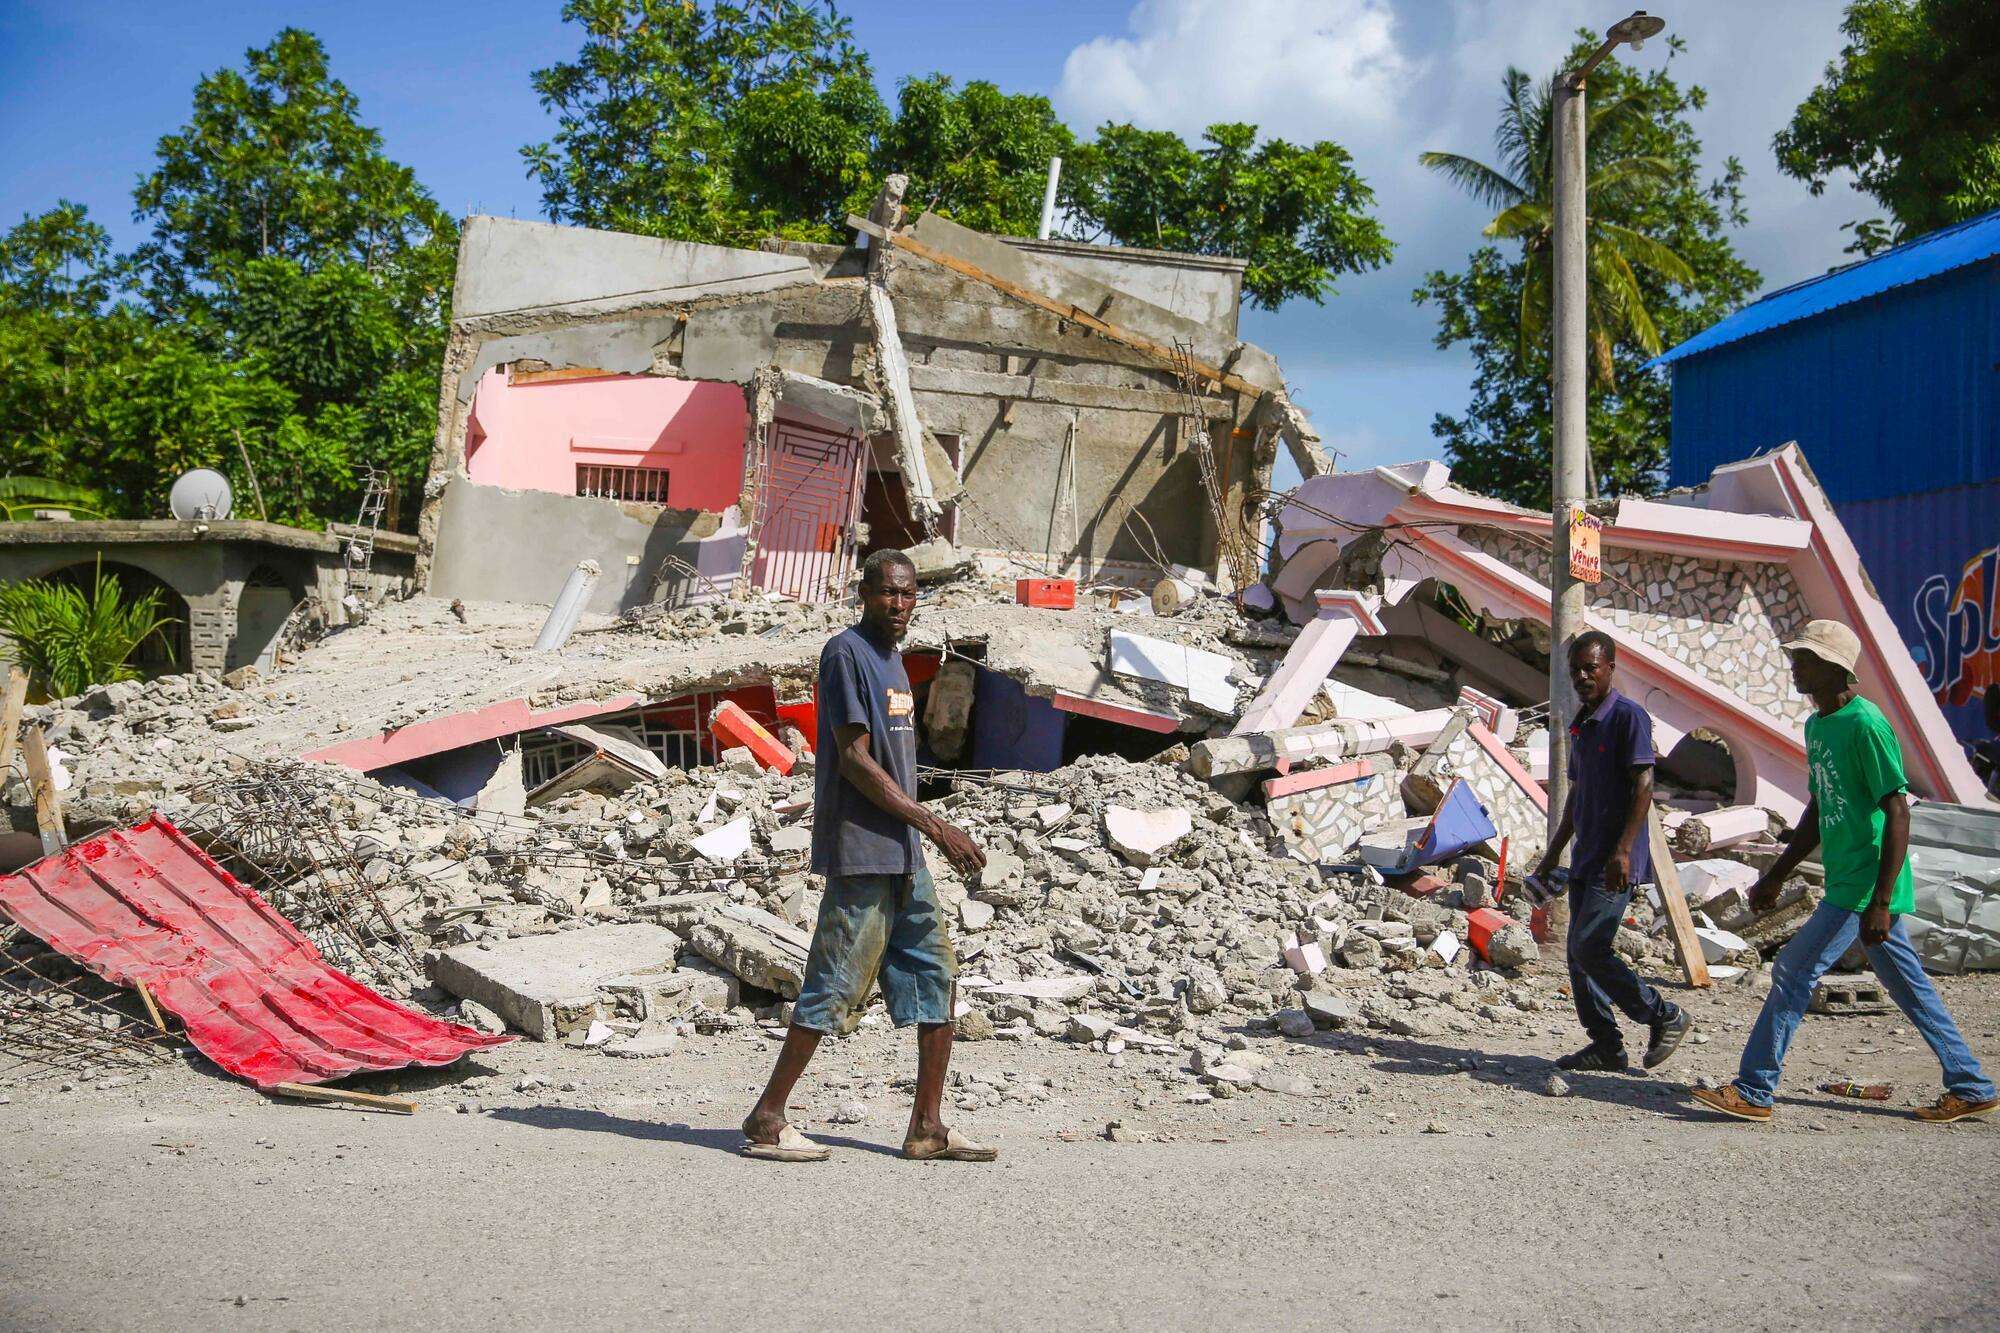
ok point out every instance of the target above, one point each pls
(725, 1139)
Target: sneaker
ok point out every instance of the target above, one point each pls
(1729, 1101)
(1667, 1035)
(1596, 1060)
(1952, 1107)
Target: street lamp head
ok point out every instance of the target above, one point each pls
(1636, 29)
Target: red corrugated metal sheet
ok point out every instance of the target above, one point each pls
(144, 904)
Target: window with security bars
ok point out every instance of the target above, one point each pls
(606, 481)
(674, 730)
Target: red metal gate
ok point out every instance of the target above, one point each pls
(808, 502)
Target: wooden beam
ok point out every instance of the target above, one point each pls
(152, 1010)
(565, 373)
(368, 1101)
(1680, 922)
(48, 802)
(11, 705)
(1074, 314)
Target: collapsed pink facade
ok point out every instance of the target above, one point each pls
(1699, 593)
(580, 436)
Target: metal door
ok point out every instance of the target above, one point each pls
(808, 502)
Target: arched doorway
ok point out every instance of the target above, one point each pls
(164, 652)
(266, 601)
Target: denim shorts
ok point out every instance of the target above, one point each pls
(878, 927)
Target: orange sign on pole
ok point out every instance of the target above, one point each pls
(1586, 547)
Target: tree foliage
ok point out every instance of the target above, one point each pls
(286, 314)
(1299, 215)
(729, 122)
(1912, 109)
(1656, 205)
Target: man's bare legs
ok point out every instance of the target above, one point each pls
(768, 1116)
(933, 1060)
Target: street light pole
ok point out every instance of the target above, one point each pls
(1570, 401)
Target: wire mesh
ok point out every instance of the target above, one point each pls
(56, 1014)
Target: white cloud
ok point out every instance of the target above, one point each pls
(1301, 69)
(1387, 79)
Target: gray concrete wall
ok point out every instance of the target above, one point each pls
(1004, 376)
(209, 577)
(506, 265)
(1204, 288)
(498, 545)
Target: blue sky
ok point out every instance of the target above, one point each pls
(88, 86)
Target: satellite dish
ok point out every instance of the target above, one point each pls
(200, 496)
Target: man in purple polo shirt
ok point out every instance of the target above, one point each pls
(1610, 797)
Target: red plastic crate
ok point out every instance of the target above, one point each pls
(1057, 594)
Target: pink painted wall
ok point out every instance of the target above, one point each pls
(532, 436)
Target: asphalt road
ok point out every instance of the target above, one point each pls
(622, 1215)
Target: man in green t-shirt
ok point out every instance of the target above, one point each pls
(1859, 818)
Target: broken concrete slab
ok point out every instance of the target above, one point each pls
(507, 266)
(758, 947)
(1145, 836)
(725, 844)
(550, 985)
(1342, 617)
(948, 708)
(1281, 749)
(1701, 832)
(1204, 675)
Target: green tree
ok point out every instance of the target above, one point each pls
(274, 163)
(708, 122)
(1655, 206)
(727, 123)
(1299, 215)
(301, 280)
(976, 154)
(56, 263)
(1912, 109)
(1617, 177)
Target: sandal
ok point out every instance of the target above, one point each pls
(956, 1148)
(791, 1146)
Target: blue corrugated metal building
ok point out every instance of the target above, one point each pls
(1887, 373)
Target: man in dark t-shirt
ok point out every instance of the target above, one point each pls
(879, 919)
(1610, 802)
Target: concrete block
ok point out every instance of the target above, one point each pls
(755, 946)
(550, 985)
(948, 710)
(1145, 836)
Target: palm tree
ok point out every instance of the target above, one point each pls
(1523, 191)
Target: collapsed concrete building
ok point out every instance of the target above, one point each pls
(1288, 784)
(687, 415)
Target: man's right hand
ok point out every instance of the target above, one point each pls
(1764, 893)
(959, 849)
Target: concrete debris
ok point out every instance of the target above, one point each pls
(1144, 836)
(551, 985)
(634, 873)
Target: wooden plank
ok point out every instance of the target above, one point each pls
(152, 1010)
(48, 802)
(1680, 922)
(1074, 314)
(11, 706)
(557, 376)
(366, 1100)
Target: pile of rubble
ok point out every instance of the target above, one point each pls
(1124, 902)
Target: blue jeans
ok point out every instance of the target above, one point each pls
(1598, 977)
(1826, 935)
